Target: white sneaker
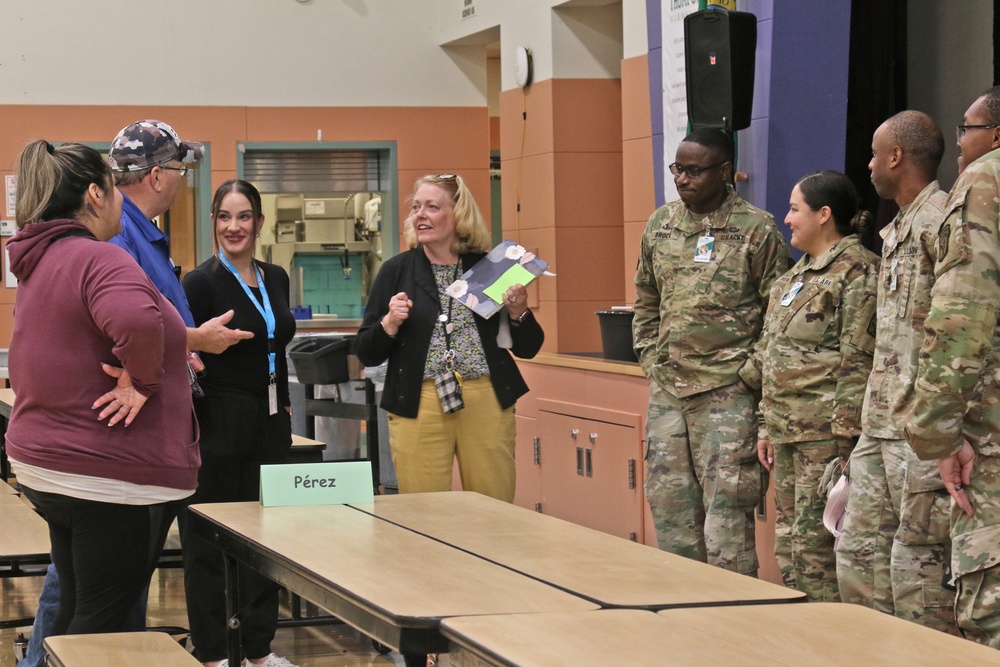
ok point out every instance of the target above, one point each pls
(272, 661)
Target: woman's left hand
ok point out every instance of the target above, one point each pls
(516, 301)
(122, 402)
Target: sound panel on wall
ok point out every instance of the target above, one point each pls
(719, 52)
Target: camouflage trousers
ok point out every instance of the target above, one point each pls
(894, 550)
(703, 480)
(802, 545)
(976, 555)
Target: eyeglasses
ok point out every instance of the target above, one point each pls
(960, 130)
(446, 177)
(692, 171)
(181, 170)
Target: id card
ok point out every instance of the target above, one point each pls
(703, 251)
(790, 294)
(272, 397)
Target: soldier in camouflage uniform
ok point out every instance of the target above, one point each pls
(706, 266)
(894, 548)
(955, 416)
(814, 357)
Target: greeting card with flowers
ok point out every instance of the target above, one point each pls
(482, 287)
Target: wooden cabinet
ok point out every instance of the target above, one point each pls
(580, 435)
(589, 462)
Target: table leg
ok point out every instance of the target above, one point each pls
(232, 570)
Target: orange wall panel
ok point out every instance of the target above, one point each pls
(526, 120)
(633, 237)
(636, 119)
(638, 192)
(589, 264)
(587, 115)
(588, 189)
(579, 330)
(528, 183)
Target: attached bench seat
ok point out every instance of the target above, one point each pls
(122, 649)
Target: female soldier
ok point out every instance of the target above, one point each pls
(815, 355)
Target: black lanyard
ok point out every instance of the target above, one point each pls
(447, 326)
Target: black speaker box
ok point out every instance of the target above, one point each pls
(719, 52)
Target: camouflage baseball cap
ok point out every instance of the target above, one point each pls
(149, 143)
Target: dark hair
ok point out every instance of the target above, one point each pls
(241, 187)
(919, 137)
(834, 189)
(714, 139)
(53, 181)
(991, 101)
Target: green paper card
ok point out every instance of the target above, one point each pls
(316, 484)
(515, 275)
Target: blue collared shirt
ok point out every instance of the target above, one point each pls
(151, 249)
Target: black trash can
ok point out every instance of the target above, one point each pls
(616, 334)
(320, 360)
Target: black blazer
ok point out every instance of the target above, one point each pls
(411, 272)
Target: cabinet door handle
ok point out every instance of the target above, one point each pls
(537, 445)
(590, 463)
(579, 461)
(631, 473)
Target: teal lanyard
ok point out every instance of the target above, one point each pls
(264, 311)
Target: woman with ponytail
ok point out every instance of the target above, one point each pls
(88, 322)
(815, 355)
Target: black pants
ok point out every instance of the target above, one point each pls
(101, 552)
(237, 437)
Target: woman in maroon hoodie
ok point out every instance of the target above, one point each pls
(84, 315)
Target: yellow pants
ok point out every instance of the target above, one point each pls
(481, 435)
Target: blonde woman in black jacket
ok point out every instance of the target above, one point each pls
(426, 334)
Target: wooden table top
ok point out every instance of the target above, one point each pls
(819, 633)
(300, 443)
(123, 649)
(609, 570)
(6, 402)
(23, 533)
(375, 575)
(801, 635)
(607, 637)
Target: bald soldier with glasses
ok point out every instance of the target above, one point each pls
(706, 265)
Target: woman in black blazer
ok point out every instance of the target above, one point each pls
(426, 334)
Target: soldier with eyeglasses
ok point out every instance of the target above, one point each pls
(706, 265)
(955, 415)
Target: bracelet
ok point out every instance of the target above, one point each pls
(523, 315)
(382, 324)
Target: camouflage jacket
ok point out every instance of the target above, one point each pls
(957, 390)
(697, 321)
(904, 297)
(816, 350)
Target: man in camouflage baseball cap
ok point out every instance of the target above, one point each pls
(150, 143)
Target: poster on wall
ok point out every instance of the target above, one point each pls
(10, 188)
(675, 118)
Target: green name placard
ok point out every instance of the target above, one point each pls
(316, 484)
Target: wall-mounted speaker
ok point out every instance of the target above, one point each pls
(719, 52)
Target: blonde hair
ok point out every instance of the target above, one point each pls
(470, 227)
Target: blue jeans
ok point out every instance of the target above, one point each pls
(48, 605)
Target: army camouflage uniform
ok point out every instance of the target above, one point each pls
(894, 545)
(814, 356)
(957, 392)
(695, 325)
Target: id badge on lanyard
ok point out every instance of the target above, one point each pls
(272, 396)
(703, 250)
(790, 294)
